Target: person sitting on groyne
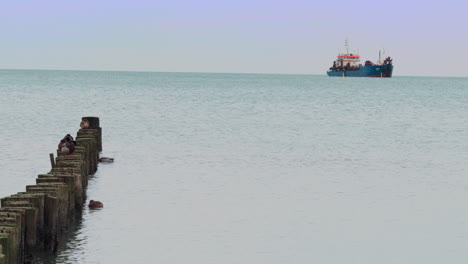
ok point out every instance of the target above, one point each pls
(84, 124)
(67, 145)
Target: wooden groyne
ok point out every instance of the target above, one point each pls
(32, 222)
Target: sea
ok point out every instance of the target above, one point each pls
(215, 168)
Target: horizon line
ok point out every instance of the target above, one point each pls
(259, 73)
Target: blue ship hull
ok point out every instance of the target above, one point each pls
(364, 71)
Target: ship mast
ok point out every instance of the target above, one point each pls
(346, 44)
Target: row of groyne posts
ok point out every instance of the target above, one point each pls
(33, 222)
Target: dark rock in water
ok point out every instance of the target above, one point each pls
(106, 159)
(95, 204)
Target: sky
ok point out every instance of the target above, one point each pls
(424, 38)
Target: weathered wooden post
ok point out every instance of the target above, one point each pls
(2, 257)
(52, 160)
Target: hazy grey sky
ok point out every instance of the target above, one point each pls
(424, 38)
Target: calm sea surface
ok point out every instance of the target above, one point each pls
(250, 168)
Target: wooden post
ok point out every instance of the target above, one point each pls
(52, 160)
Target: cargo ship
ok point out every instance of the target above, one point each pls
(347, 65)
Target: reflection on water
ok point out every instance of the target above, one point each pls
(226, 168)
(71, 240)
